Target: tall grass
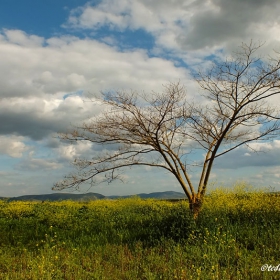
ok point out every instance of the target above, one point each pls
(236, 233)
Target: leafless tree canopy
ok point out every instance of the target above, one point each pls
(161, 129)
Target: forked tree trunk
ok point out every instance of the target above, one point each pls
(195, 205)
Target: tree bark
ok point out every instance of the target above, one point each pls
(195, 206)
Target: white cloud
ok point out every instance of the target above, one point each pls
(37, 118)
(43, 96)
(262, 147)
(74, 64)
(163, 19)
(12, 146)
(72, 151)
(199, 27)
(19, 37)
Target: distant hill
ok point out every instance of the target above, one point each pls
(59, 196)
(156, 195)
(92, 196)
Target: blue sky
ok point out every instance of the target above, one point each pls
(43, 18)
(52, 51)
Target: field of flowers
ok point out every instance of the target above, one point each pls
(236, 234)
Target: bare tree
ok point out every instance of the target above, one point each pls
(162, 129)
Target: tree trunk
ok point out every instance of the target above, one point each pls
(195, 205)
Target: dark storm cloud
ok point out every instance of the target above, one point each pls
(225, 21)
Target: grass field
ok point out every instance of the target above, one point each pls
(236, 234)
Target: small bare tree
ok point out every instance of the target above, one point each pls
(162, 129)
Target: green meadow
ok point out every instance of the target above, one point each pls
(235, 235)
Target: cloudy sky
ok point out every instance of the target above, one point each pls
(53, 53)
